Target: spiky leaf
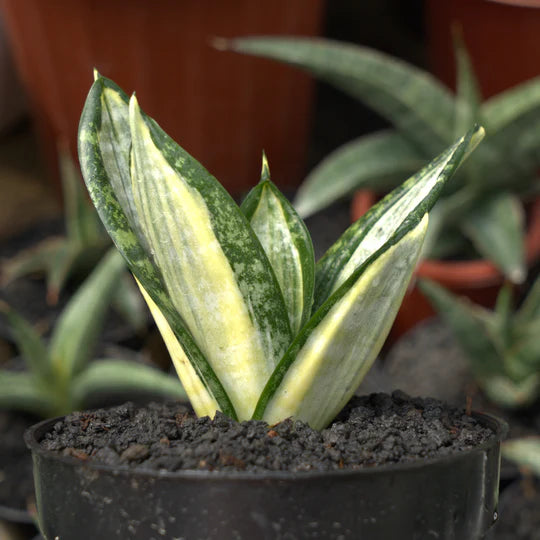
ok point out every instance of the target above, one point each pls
(80, 324)
(21, 391)
(413, 198)
(287, 244)
(415, 102)
(332, 354)
(497, 229)
(214, 268)
(107, 376)
(104, 146)
(29, 342)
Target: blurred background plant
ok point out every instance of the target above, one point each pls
(75, 255)
(60, 376)
(502, 346)
(482, 210)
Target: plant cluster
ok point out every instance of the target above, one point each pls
(481, 208)
(255, 329)
(60, 375)
(502, 345)
(74, 255)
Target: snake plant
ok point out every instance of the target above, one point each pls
(60, 377)
(60, 258)
(502, 345)
(481, 210)
(255, 329)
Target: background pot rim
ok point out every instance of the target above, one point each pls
(35, 432)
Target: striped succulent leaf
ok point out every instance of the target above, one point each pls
(206, 270)
(361, 282)
(287, 244)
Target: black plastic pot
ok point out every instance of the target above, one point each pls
(454, 497)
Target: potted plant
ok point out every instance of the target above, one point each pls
(483, 202)
(56, 45)
(268, 345)
(502, 345)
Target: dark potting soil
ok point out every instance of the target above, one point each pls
(16, 480)
(372, 430)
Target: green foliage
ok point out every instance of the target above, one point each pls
(524, 452)
(254, 327)
(481, 206)
(502, 345)
(60, 376)
(75, 254)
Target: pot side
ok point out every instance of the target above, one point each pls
(454, 497)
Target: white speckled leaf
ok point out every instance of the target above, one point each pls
(344, 342)
(287, 244)
(229, 300)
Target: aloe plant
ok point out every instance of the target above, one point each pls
(255, 329)
(60, 376)
(481, 206)
(502, 345)
(75, 254)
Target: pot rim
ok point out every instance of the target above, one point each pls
(35, 432)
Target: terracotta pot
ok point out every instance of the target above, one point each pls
(501, 37)
(223, 108)
(479, 280)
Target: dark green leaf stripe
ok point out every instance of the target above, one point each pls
(330, 267)
(287, 243)
(127, 242)
(453, 156)
(241, 247)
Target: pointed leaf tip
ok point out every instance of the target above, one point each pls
(265, 169)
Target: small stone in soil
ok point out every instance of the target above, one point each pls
(372, 430)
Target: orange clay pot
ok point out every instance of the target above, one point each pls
(223, 108)
(501, 37)
(479, 280)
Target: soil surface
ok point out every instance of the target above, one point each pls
(372, 430)
(16, 480)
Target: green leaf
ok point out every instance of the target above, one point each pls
(82, 223)
(497, 229)
(468, 97)
(19, 391)
(332, 354)
(214, 268)
(511, 118)
(287, 244)
(379, 161)
(29, 342)
(104, 147)
(512, 394)
(129, 304)
(203, 401)
(468, 323)
(419, 106)
(414, 198)
(530, 308)
(81, 322)
(107, 376)
(525, 452)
